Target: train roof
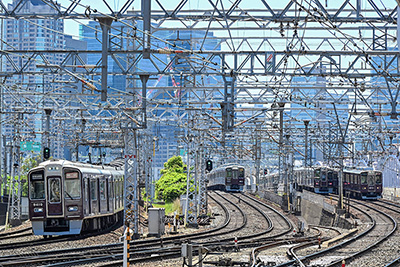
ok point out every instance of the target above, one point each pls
(85, 167)
(229, 165)
(359, 171)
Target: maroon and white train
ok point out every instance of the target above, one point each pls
(230, 177)
(67, 198)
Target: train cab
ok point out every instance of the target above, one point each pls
(55, 203)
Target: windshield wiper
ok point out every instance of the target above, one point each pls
(68, 195)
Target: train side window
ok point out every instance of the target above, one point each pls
(93, 190)
(102, 190)
(54, 190)
(72, 185)
(37, 186)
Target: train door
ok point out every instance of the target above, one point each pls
(241, 177)
(109, 194)
(86, 193)
(317, 181)
(94, 205)
(228, 179)
(102, 193)
(54, 197)
(323, 184)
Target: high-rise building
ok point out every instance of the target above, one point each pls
(36, 35)
(167, 134)
(31, 34)
(321, 113)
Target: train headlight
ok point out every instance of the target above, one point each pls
(72, 208)
(38, 210)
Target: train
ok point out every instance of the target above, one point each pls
(229, 177)
(365, 184)
(361, 183)
(69, 198)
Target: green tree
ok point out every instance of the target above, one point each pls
(172, 183)
(27, 164)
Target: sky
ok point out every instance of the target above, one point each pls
(72, 27)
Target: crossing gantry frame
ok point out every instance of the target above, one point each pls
(334, 65)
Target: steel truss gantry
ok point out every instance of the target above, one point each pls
(333, 65)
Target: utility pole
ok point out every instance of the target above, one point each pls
(47, 130)
(306, 122)
(257, 154)
(340, 202)
(202, 179)
(105, 24)
(281, 109)
(191, 190)
(15, 183)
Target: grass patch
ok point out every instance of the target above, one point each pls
(170, 207)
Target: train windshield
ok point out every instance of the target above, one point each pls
(330, 176)
(317, 173)
(241, 172)
(72, 185)
(378, 178)
(36, 186)
(228, 173)
(364, 178)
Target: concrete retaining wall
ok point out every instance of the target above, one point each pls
(315, 209)
(268, 195)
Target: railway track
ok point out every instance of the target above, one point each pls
(110, 252)
(378, 227)
(170, 247)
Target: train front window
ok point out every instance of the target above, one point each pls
(229, 173)
(363, 178)
(37, 186)
(54, 190)
(378, 178)
(72, 185)
(241, 172)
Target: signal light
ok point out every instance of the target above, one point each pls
(46, 153)
(209, 165)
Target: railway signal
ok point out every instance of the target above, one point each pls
(209, 165)
(46, 153)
